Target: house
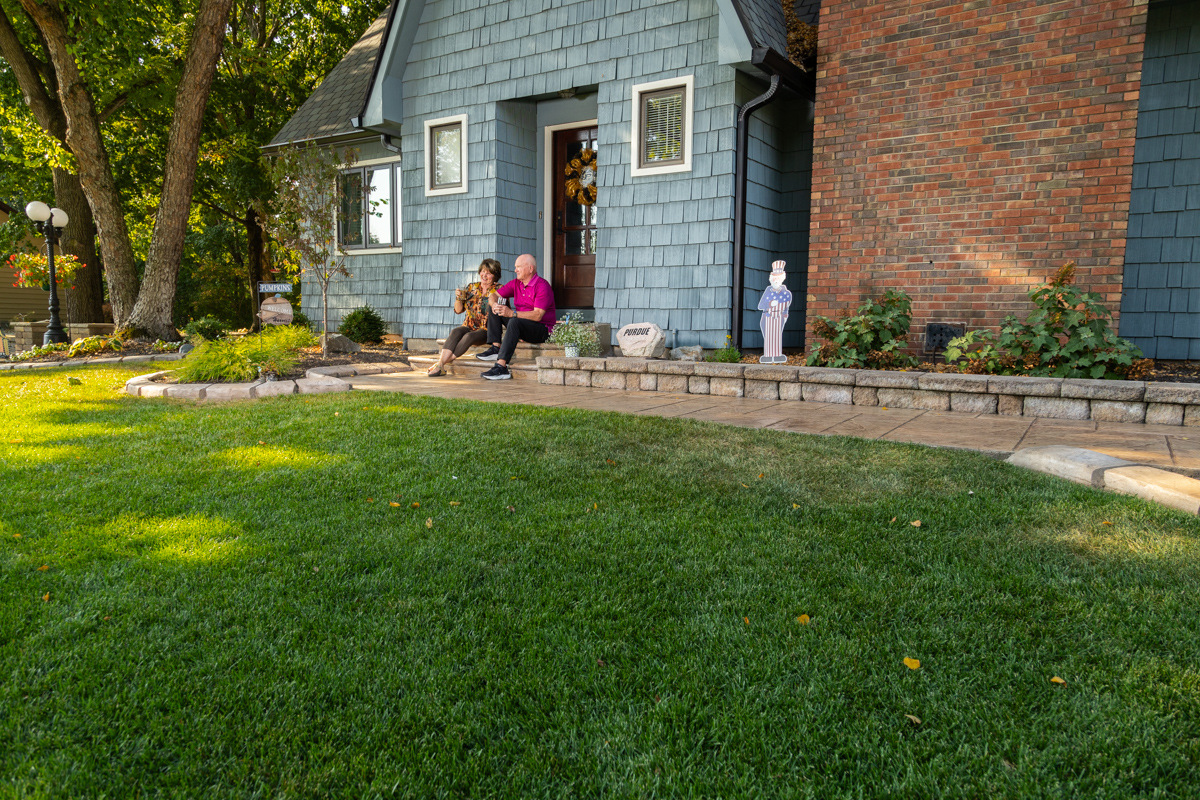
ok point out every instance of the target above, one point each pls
(960, 151)
(16, 301)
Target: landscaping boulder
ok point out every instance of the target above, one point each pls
(642, 340)
(336, 343)
(690, 353)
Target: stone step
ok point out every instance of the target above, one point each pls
(470, 366)
(524, 350)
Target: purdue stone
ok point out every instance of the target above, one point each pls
(642, 340)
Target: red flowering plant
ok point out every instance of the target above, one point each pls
(31, 270)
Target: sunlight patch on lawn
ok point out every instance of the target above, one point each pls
(193, 538)
(265, 456)
(1121, 541)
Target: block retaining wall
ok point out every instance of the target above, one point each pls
(1054, 398)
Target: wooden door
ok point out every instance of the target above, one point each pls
(574, 223)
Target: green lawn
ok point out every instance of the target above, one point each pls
(583, 604)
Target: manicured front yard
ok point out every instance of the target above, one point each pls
(247, 600)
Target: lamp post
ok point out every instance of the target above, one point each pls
(50, 222)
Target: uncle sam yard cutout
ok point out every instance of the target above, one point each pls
(774, 305)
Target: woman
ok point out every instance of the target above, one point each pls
(472, 300)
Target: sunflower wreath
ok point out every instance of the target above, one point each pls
(581, 178)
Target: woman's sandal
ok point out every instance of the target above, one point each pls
(437, 373)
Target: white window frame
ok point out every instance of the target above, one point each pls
(430, 124)
(688, 84)
(398, 234)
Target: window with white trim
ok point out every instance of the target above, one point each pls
(662, 126)
(369, 206)
(446, 155)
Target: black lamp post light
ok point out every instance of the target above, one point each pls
(50, 222)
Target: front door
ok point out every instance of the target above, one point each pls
(574, 182)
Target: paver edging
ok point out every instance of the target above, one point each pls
(317, 380)
(1004, 395)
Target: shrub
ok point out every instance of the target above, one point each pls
(873, 338)
(301, 320)
(1066, 336)
(363, 325)
(206, 328)
(215, 360)
(727, 354)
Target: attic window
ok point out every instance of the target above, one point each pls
(662, 126)
(446, 155)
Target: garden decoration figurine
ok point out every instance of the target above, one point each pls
(774, 305)
(50, 222)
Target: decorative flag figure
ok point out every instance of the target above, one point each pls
(774, 305)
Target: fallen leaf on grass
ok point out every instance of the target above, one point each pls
(106, 619)
(416, 505)
(15, 441)
(46, 597)
(260, 441)
(744, 486)
(455, 503)
(1106, 522)
(370, 499)
(337, 413)
(761, 475)
(746, 620)
(802, 619)
(913, 720)
(600, 662)
(610, 461)
(16, 536)
(43, 567)
(511, 510)
(1058, 680)
(429, 522)
(795, 505)
(893, 519)
(393, 504)
(916, 523)
(912, 663)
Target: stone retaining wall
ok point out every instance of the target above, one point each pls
(1055, 398)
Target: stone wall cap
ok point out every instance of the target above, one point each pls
(1025, 385)
(561, 362)
(771, 372)
(952, 382)
(672, 367)
(844, 377)
(626, 364)
(887, 379)
(719, 370)
(1179, 393)
(1102, 389)
(592, 364)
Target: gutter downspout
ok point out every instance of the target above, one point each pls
(740, 179)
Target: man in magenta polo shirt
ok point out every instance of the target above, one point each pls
(530, 319)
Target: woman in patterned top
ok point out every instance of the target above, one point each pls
(473, 301)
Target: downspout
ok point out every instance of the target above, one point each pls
(740, 179)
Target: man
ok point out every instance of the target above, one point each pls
(530, 319)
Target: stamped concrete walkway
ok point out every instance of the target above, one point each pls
(1166, 446)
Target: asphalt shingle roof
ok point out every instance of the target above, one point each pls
(343, 93)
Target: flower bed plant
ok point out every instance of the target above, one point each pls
(275, 351)
(873, 338)
(570, 330)
(32, 271)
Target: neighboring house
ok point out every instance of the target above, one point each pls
(960, 151)
(14, 301)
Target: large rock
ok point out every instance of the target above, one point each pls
(642, 340)
(336, 343)
(689, 353)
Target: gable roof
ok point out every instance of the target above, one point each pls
(336, 106)
(343, 94)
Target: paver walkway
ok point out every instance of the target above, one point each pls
(1166, 446)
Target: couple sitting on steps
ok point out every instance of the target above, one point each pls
(530, 318)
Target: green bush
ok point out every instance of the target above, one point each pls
(301, 320)
(217, 360)
(363, 325)
(206, 328)
(873, 338)
(1066, 336)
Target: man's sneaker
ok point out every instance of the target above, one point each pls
(498, 373)
(491, 354)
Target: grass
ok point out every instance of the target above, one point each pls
(582, 604)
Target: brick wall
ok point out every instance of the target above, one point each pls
(965, 150)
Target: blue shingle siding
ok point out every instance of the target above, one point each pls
(1162, 256)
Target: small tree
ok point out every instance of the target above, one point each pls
(302, 217)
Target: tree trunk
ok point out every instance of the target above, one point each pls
(153, 311)
(255, 242)
(84, 141)
(85, 301)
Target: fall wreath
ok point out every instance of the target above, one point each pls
(581, 178)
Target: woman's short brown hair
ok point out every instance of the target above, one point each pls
(492, 266)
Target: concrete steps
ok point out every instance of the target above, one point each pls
(523, 366)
